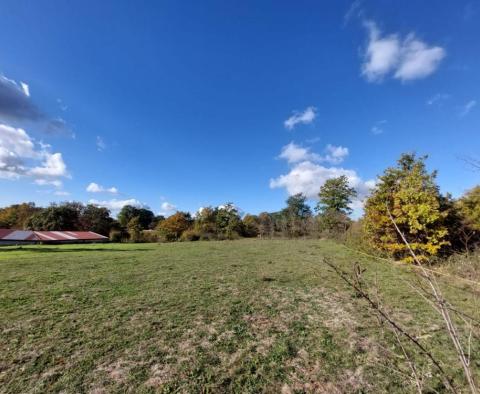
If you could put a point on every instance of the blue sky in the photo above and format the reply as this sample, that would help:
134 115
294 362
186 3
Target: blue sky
178 105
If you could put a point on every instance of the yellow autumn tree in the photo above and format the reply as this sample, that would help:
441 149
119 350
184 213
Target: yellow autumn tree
409 192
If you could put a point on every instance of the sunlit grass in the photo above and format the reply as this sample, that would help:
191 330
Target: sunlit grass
239 316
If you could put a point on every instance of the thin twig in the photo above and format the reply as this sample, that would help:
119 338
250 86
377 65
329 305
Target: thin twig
441 303
395 325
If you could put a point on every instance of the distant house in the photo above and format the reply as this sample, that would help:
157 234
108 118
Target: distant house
26 237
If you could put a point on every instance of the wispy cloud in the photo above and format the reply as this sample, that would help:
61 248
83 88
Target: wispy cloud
61 193
467 108
304 117
437 99
100 144
379 127
404 59
355 10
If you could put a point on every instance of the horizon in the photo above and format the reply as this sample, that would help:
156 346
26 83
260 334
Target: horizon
177 107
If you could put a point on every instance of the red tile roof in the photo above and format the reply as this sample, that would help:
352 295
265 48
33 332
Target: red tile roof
45 236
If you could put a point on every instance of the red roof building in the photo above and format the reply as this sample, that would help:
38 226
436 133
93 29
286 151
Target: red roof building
13 237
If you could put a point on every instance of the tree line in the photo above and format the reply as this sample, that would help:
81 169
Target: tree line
406 195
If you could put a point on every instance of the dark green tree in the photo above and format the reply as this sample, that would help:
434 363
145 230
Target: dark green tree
56 217
294 218
336 196
250 225
229 223
96 219
128 212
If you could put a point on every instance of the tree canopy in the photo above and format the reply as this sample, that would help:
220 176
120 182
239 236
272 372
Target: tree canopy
336 195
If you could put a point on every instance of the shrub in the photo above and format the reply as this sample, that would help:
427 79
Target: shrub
134 230
190 235
149 236
115 236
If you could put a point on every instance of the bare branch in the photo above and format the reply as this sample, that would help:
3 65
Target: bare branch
442 309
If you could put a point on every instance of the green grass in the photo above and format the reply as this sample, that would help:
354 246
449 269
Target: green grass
232 316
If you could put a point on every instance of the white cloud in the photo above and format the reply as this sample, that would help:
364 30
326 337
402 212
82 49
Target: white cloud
406 59
115 204
307 178
25 88
52 166
418 60
468 107
96 188
166 206
21 156
335 154
437 98
167 209
48 182
305 117
294 153
382 54
100 144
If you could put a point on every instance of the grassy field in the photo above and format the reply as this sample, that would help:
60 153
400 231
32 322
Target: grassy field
231 316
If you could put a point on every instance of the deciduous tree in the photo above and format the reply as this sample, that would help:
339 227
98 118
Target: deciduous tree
335 197
410 196
171 228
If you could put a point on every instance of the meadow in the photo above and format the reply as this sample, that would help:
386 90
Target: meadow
212 317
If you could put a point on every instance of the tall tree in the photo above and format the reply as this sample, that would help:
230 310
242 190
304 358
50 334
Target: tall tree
96 219
128 212
336 196
409 193
296 215
229 223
